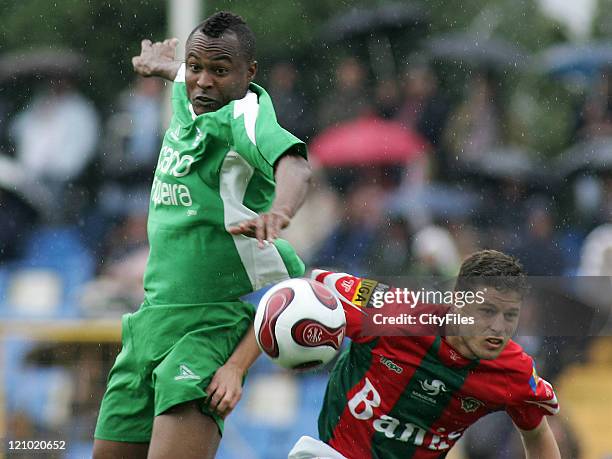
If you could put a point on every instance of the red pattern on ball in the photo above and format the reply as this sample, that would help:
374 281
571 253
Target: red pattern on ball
324 295
275 305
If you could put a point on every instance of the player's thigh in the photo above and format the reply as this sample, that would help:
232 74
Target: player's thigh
186 371
184 431
127 408
106 449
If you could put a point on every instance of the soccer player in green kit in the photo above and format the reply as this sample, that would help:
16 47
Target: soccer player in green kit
228 179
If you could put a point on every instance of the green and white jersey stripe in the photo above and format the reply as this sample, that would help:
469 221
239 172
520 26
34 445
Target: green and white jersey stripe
215 170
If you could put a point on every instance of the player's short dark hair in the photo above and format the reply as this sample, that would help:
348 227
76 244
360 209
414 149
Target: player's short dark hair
490 268
222 21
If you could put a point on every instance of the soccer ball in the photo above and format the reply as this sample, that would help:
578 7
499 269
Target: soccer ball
300 324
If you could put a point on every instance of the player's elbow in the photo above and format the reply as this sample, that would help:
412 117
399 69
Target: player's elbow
305 171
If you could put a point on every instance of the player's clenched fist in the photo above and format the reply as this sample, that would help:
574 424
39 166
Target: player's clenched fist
157 59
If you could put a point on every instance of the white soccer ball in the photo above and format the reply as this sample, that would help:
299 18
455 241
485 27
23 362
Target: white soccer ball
300 324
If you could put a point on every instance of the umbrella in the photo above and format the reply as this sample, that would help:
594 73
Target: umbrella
15 180
437 200
507 163
474 50
367 141
382 19
49 62
374 28
570 60
594 156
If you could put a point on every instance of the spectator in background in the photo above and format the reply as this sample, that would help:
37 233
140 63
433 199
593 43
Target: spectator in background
119 286
350 243
387 98
349 98
131 149
595 117
56 136
538 249
502 229
144 108
424 109
474 128
17 219
435 253
392 252
290 104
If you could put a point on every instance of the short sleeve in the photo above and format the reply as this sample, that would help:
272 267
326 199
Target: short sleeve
258 136
272 147
536 399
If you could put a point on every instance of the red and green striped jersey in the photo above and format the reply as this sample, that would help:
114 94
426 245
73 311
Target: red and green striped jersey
414 396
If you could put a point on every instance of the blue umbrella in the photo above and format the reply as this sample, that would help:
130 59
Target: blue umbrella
590 157
570 60
437 200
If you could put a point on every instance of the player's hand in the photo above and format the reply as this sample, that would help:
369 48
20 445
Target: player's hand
265 227
157 59
225 389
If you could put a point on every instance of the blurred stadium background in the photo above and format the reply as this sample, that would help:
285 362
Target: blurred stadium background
497 122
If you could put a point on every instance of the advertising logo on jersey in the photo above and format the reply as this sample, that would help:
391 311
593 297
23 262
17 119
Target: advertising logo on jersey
430 390
434 387
360 291
391 365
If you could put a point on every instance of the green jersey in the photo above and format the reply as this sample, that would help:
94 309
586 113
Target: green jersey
215 170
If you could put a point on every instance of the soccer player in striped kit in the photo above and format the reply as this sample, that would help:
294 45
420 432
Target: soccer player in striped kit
405 397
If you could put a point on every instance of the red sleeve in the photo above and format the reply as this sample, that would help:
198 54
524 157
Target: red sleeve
535 399
354 294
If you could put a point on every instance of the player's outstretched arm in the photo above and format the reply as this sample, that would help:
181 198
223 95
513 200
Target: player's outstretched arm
157 59
540 442
225 389
292 177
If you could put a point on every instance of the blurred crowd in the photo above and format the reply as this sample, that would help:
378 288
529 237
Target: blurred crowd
74 189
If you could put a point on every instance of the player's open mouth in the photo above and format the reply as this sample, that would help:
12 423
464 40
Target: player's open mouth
494 342
203 101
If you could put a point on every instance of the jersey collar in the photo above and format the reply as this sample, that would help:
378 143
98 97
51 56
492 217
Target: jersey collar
449 356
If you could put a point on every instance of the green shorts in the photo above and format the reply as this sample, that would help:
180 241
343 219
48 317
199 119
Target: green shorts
169 355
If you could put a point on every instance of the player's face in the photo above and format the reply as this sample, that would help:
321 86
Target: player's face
216 71
495 322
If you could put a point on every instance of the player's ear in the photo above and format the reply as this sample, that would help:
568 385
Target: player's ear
252 71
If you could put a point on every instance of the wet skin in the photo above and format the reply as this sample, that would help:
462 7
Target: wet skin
217 71
496 321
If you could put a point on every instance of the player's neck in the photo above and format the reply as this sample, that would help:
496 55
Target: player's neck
458 343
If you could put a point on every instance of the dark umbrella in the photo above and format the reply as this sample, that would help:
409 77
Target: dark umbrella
373 28
469 49
41 62
569 60
508 163
367 141
366 21
593 156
